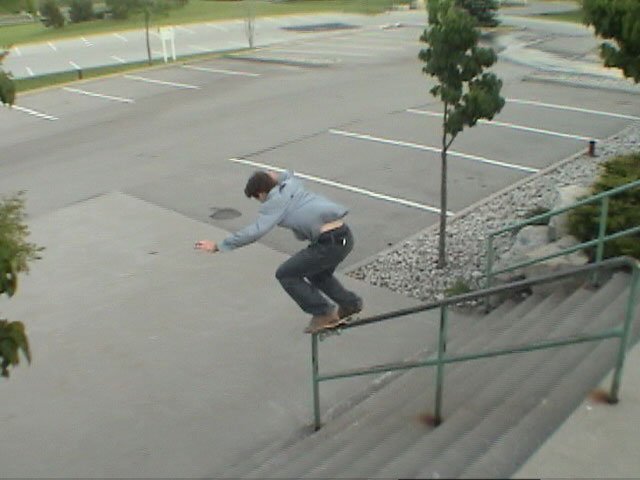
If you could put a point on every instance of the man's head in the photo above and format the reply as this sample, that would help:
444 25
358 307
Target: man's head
259 185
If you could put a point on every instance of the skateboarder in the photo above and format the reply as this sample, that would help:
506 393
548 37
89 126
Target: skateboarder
311 217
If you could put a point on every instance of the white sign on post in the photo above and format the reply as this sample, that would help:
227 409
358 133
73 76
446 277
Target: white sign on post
167 35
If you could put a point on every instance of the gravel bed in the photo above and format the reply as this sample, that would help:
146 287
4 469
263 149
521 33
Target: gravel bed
409 267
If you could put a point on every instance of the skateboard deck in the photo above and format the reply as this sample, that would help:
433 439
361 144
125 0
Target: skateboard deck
336 329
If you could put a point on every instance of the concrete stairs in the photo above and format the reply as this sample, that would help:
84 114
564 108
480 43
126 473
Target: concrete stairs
496 411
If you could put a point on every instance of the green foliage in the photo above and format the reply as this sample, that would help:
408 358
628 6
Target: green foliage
81 11
7 88
15 253
617 20
624 208
121 9
484 11
13 340
52 16
459 287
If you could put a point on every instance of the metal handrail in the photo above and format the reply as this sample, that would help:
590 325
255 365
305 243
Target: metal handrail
441 359
598 242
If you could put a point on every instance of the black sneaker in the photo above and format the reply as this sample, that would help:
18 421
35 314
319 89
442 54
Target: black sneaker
345 311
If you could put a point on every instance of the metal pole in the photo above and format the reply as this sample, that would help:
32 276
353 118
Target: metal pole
624 339
489 266
442 346
602 230
316 383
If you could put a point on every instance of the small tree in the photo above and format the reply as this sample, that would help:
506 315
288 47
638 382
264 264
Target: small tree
455 60
249 22
81 11
52 15
617 20
7 87
15 253
484 11
150 8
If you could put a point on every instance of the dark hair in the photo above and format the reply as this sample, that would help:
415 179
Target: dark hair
259 182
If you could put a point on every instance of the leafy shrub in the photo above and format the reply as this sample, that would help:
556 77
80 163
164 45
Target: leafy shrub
81 11
459 287
15 253
52 16
624 209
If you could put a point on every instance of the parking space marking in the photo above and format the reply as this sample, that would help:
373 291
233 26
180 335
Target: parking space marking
417 146
342 186
185 29
161 82
53 47
98 95
17 51
34 113
322 52
217 27
29 71
199 48
223 72
74 65
496 123
118 59
121 37
571 109
86 42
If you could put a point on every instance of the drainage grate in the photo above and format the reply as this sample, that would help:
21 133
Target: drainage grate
224 213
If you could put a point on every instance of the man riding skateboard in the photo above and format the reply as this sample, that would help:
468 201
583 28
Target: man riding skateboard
309 273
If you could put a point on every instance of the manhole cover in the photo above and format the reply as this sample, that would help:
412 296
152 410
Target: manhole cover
224 213
319 27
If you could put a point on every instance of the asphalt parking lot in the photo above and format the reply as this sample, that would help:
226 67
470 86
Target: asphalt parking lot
361 128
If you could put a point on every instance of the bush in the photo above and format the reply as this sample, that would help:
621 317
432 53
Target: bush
484 11
121 9
624 209
81 11
52 16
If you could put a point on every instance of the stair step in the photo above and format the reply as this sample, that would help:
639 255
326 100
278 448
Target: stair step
485 402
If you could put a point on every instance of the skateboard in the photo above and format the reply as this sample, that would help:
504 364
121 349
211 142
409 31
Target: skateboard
336 329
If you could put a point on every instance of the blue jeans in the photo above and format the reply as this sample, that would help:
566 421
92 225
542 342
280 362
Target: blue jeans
310 271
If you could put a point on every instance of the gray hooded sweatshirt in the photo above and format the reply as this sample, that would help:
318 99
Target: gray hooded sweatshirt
288 205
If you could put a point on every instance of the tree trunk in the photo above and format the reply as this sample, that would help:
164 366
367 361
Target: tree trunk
442 258
147 14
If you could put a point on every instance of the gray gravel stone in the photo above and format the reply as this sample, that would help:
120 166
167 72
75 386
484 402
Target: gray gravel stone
410 266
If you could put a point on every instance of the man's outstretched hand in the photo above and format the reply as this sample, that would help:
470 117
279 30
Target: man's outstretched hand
207 246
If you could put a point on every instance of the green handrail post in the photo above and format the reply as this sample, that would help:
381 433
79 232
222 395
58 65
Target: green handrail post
316 386
602 231
624 338
442 346
489 266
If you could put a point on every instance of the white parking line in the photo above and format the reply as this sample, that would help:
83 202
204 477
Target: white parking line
17 51
86 42
75 65
495 123
98 95
417 146
29 71
121 37
217 27
185 29
53 47
199 48
161 82
118 59
571 109
322 52
350 188
224 72
34 113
